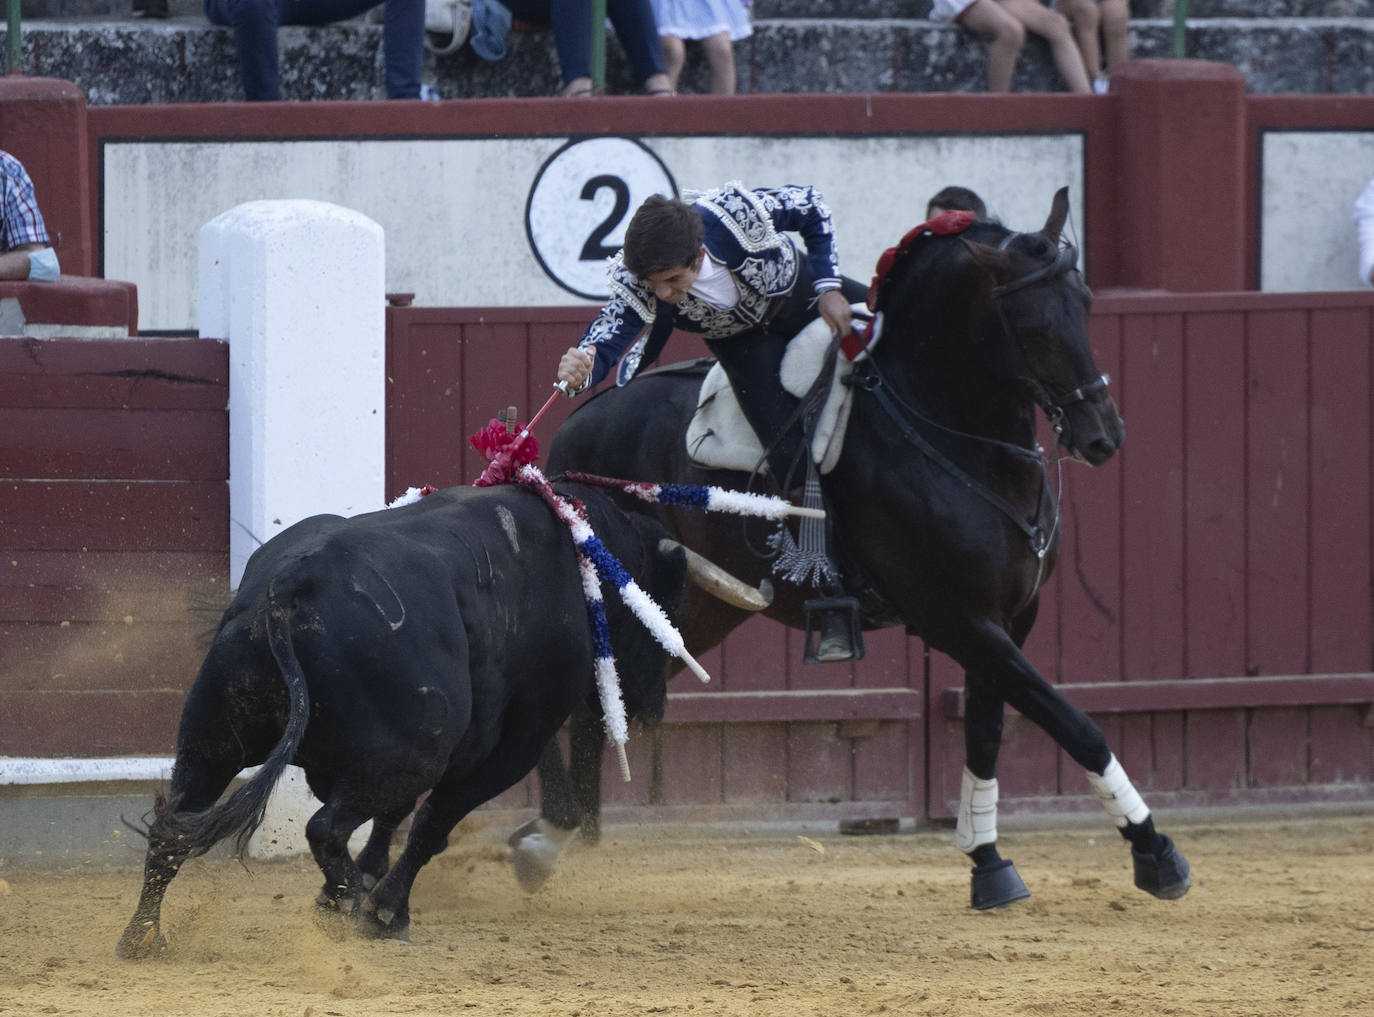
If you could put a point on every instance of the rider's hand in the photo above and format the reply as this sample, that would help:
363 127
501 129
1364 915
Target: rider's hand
835 310
575 366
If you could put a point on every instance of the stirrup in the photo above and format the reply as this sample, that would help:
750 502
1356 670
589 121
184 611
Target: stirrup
841 635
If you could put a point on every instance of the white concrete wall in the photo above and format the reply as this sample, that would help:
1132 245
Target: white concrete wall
454 210
296 287
1310 182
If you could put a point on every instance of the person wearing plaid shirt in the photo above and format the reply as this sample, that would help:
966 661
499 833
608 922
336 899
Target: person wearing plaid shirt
25 248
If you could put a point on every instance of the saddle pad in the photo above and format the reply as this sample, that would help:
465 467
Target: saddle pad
719 436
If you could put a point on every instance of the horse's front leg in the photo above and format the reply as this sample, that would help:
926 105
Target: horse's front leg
992 656
995 881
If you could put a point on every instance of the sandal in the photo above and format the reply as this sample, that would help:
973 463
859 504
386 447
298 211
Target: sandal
661 91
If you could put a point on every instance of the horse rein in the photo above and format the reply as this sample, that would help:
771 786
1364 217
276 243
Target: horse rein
867 378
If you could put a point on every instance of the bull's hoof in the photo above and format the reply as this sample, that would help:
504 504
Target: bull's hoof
535 850
384 922
346 904
140 939
1165 875
997 885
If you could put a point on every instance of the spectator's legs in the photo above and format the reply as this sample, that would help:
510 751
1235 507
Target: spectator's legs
1004 35
720 57
1116 14
1054 29
1085 18
255 34
403 28
674 56
571 20
637 30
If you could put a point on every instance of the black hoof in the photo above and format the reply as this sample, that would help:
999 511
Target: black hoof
997 885
1166 875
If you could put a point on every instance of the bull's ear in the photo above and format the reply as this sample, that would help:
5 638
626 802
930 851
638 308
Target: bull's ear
1059 214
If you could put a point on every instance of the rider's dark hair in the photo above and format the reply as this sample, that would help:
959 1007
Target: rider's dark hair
664 234
956 199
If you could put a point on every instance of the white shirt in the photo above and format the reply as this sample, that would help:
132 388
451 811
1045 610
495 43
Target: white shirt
1364 230
716 285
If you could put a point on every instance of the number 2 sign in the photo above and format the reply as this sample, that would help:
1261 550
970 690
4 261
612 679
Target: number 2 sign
582 200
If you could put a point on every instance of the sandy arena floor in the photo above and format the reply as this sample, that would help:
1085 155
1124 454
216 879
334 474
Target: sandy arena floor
1280 923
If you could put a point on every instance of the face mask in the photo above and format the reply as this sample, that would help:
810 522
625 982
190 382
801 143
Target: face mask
43 265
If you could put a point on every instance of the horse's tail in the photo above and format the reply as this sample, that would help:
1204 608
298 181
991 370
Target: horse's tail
242 812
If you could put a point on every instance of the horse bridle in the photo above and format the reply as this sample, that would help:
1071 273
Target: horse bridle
1053 406
867 377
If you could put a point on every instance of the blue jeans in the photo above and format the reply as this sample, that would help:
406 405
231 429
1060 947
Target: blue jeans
255 31
633 21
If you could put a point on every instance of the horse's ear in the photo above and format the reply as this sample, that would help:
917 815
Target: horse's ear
1059 212
993 260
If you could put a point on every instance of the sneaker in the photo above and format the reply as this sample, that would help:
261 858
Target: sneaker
1101 85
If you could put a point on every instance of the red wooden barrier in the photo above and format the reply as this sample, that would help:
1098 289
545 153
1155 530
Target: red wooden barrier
1212 606
114 515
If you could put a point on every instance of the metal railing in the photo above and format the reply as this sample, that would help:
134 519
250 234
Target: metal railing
13 43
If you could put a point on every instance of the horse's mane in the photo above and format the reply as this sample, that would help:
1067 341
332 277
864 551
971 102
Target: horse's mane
929 268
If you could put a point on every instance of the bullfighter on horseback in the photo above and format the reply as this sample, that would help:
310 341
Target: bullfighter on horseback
721 264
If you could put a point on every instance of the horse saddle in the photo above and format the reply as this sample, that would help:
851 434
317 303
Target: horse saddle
720 437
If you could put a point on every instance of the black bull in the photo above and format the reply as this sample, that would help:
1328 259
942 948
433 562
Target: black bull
435 647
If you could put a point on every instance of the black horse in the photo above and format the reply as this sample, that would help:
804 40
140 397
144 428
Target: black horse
944 519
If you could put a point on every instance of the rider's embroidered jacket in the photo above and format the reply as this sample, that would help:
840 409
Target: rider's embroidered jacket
744 230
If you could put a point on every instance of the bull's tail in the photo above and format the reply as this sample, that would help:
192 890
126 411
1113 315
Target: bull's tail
242 812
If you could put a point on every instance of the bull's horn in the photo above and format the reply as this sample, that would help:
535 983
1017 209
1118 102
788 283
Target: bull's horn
716 581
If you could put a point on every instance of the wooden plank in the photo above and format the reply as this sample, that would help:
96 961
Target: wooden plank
887 661
83 657
754 763
1201 693
186 373
1169 732
754 657
882 765
792 707
114 444
114 515
1152 555
1089 588
1214 747
1342 487
692 764
425 409
1342 739
819 764
495 375
1214 451
98 723
1277 496
945 740
1029 760
43 586
1278 747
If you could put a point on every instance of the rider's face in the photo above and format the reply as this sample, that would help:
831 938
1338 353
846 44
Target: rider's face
671 285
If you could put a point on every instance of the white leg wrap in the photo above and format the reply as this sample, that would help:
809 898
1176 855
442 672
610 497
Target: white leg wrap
1119 796
977 812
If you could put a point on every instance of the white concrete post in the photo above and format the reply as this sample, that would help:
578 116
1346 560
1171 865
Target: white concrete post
298 290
